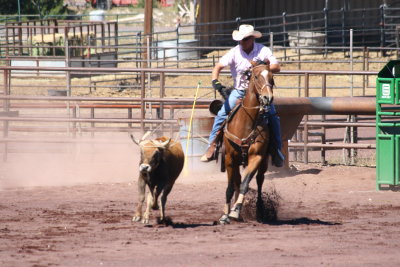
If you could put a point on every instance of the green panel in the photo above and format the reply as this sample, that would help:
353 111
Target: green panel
397 89
396 160
385 91
385 160
387 125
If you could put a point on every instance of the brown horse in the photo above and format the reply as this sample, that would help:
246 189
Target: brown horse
246 140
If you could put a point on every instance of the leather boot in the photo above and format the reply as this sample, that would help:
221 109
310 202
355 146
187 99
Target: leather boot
209 155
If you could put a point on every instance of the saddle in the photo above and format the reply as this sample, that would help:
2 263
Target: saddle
220 134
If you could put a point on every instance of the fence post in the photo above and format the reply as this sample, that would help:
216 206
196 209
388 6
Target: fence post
162 94
6 46
138 52
382 28
343 31
20 44
177 45
364 77
149 88
92 123
323 118
68 74
271 41
305 140
284 33
142 103
351 63
6 105
326 29
363 26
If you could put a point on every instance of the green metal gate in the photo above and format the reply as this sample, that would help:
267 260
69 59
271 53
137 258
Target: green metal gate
388 126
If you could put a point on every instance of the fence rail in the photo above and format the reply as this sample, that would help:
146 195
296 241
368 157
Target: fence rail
74 117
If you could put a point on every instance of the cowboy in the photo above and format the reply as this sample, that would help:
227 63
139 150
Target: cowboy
238 59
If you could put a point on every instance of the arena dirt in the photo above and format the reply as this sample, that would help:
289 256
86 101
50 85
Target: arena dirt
81 216
75 209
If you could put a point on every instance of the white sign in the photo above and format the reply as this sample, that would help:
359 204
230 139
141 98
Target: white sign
386 90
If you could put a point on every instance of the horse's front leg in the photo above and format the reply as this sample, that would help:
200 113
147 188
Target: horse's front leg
260 181
251 169
233 173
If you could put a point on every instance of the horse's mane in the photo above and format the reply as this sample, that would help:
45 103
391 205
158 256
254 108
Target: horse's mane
261 62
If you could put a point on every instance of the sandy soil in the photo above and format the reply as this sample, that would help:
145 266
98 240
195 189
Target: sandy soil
80 215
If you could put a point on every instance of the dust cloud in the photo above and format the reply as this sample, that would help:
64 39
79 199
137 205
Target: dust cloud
196 171
60 164
113 159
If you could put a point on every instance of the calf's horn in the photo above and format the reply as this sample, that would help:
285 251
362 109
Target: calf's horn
141 139
165 143
134 140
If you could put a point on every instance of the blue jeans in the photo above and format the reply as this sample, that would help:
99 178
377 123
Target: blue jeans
227 107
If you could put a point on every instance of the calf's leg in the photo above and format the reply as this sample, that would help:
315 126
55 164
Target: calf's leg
146 215
166 191
142 190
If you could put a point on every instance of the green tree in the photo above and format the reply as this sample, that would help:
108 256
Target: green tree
33 7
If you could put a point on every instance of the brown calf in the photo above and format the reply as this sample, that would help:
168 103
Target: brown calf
161 162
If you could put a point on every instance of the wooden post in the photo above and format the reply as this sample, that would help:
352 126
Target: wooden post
148 27
142 103
6 105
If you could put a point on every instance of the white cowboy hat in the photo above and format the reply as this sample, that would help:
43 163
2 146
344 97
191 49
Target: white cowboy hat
245 30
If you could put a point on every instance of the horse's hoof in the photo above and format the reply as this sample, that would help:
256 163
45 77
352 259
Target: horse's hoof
235 213
224 219
136 218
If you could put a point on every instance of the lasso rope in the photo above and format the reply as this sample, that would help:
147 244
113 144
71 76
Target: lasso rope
185 170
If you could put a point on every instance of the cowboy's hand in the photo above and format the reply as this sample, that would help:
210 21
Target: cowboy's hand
220 88
217 85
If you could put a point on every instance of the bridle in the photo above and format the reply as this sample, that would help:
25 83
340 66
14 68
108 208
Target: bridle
259 82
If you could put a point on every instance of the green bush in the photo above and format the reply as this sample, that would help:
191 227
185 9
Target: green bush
33 7
142 2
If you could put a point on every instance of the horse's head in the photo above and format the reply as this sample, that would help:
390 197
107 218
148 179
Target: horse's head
262 79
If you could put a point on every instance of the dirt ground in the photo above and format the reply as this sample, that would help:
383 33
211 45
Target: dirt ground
81 216
69 207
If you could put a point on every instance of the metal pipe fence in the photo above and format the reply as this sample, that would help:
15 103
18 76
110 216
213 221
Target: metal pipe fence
77 117
372 26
